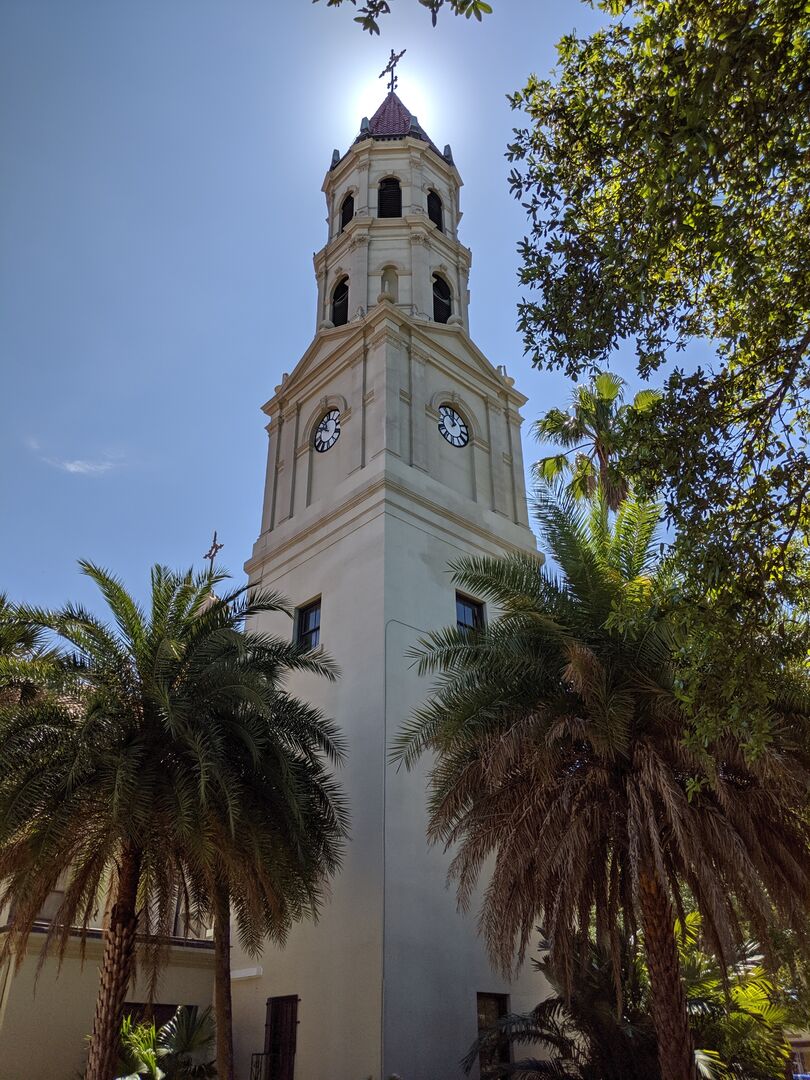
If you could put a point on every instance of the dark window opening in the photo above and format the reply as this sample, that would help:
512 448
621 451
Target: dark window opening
308 625
280 1033
491 1009
469 613
442 307
435 213
389 199
340 303
346 211
142 1012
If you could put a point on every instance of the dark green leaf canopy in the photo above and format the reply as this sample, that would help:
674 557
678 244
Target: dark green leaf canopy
176 740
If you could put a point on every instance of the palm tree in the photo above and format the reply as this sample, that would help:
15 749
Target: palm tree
586 1034
593 431
590 1034
135 787
560 753
27 666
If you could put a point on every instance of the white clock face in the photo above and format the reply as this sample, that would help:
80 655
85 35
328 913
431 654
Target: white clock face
452 427
328 432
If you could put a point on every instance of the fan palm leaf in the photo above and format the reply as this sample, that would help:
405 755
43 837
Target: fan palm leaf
591 433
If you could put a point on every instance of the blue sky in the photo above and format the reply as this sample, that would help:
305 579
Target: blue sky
159 206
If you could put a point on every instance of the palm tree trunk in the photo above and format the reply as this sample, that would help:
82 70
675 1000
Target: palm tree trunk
116 970
676 1055
223 1010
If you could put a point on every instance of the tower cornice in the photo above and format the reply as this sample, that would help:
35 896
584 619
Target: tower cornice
364 151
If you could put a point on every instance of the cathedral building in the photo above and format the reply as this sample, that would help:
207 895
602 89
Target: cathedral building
394 448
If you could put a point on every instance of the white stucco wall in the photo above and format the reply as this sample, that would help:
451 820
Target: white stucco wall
45 1019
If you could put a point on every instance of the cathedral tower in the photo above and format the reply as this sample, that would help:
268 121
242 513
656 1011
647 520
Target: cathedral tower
394 447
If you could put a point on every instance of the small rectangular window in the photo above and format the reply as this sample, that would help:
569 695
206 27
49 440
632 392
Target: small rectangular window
469 613
308 625
491 1009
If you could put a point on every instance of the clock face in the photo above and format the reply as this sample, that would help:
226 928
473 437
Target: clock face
328 432
452 427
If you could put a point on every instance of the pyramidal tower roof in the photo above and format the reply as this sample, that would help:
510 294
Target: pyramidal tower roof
393 120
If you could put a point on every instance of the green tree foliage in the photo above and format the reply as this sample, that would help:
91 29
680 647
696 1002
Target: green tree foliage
369 13
594 431
559 733
583 1034
735 1015
177 761
27 665
665 171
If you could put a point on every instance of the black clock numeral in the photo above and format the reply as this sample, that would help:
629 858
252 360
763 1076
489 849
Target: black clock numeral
452 427
328 432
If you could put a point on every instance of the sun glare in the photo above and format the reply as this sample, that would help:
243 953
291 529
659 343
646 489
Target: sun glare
415 93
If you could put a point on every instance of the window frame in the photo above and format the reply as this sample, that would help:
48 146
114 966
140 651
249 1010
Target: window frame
501 1053
476 606
303 636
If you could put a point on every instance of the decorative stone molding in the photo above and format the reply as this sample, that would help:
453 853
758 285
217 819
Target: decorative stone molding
452 397
327 402
386 335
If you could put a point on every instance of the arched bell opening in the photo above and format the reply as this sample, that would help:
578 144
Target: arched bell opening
435 210
389 198
340 303
442 300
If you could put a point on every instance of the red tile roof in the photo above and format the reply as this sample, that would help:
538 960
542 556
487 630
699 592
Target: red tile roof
392 118
393 121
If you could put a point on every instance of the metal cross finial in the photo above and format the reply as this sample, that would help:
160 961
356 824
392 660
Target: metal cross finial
393 60
213 551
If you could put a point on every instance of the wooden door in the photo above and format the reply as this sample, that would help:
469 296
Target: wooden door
280 1031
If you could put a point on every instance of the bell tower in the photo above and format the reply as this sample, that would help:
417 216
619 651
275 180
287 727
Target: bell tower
393 213
394 447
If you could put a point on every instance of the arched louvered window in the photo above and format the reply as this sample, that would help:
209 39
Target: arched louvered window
340 303
346 211
389 198
442 307
435 212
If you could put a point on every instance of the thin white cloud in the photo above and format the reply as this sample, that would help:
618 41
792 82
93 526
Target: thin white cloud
74 466
80 467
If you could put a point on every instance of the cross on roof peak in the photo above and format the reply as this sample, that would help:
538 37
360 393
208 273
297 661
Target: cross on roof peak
393 60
